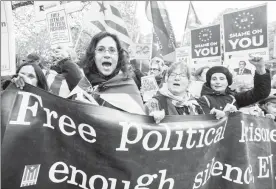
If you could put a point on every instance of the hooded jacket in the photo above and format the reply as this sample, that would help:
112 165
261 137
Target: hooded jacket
211 99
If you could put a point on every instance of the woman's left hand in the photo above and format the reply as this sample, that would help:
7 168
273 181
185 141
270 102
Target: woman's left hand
218 113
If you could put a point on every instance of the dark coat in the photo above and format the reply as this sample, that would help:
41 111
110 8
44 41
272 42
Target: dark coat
217 100
245 71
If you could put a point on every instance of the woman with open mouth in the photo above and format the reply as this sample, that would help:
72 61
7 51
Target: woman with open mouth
173 98
217 98
104 67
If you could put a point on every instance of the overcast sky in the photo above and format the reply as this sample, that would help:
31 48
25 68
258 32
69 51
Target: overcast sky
207 11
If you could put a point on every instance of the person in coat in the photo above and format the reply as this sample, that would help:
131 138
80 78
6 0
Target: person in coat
216 94
173 98
104 67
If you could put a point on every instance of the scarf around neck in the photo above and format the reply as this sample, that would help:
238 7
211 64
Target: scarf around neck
179 101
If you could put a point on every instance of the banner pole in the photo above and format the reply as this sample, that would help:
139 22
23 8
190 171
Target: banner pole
76 44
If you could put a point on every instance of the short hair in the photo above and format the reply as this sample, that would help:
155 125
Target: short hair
88 62
242 62
33 57
183 67
41 79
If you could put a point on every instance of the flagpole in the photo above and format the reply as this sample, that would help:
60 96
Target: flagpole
133 21
186 23
78 37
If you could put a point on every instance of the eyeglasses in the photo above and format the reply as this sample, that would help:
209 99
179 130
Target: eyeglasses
181 75
111 50
154 69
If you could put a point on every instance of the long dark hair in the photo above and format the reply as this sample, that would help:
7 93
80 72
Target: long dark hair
41 79
88 62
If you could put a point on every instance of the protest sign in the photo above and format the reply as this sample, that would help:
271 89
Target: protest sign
8 64
58 27
43 7
70 144
245 33
149 87
205 46
183 54
143 51
140 51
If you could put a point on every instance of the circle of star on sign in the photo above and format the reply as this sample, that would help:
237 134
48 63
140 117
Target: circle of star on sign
244 20
205 35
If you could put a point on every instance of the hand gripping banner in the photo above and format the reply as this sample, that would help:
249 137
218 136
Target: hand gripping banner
51 142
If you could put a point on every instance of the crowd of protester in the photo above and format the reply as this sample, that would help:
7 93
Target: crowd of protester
114 81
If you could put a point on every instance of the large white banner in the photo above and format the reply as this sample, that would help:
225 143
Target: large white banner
245 33
58 27
8 64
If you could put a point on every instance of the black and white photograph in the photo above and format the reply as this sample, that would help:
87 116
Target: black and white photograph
138 95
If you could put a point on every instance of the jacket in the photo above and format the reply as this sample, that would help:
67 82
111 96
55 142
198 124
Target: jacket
211 99
159 102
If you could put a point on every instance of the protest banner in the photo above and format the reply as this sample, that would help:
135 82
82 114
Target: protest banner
245 33
149 87
8 64
60 33
70 144
205 46
183 54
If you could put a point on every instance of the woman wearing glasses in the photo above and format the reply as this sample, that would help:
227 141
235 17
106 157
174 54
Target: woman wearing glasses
103 66
173 98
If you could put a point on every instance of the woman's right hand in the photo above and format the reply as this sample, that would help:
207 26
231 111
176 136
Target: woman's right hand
158 115
20 80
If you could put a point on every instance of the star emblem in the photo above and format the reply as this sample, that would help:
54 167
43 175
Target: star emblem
244 20
157 46
205 35
102 7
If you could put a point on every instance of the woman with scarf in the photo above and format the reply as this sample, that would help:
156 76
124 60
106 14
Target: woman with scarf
217 98
104 68
173 98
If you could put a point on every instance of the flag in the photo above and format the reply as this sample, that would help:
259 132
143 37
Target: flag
105 16
119 92
192 22
57 83
163 37
30 175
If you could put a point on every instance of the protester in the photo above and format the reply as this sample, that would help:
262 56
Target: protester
29 73
32 58
63 75
103 66
156 69
268 105
132 69
173 98
217 96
